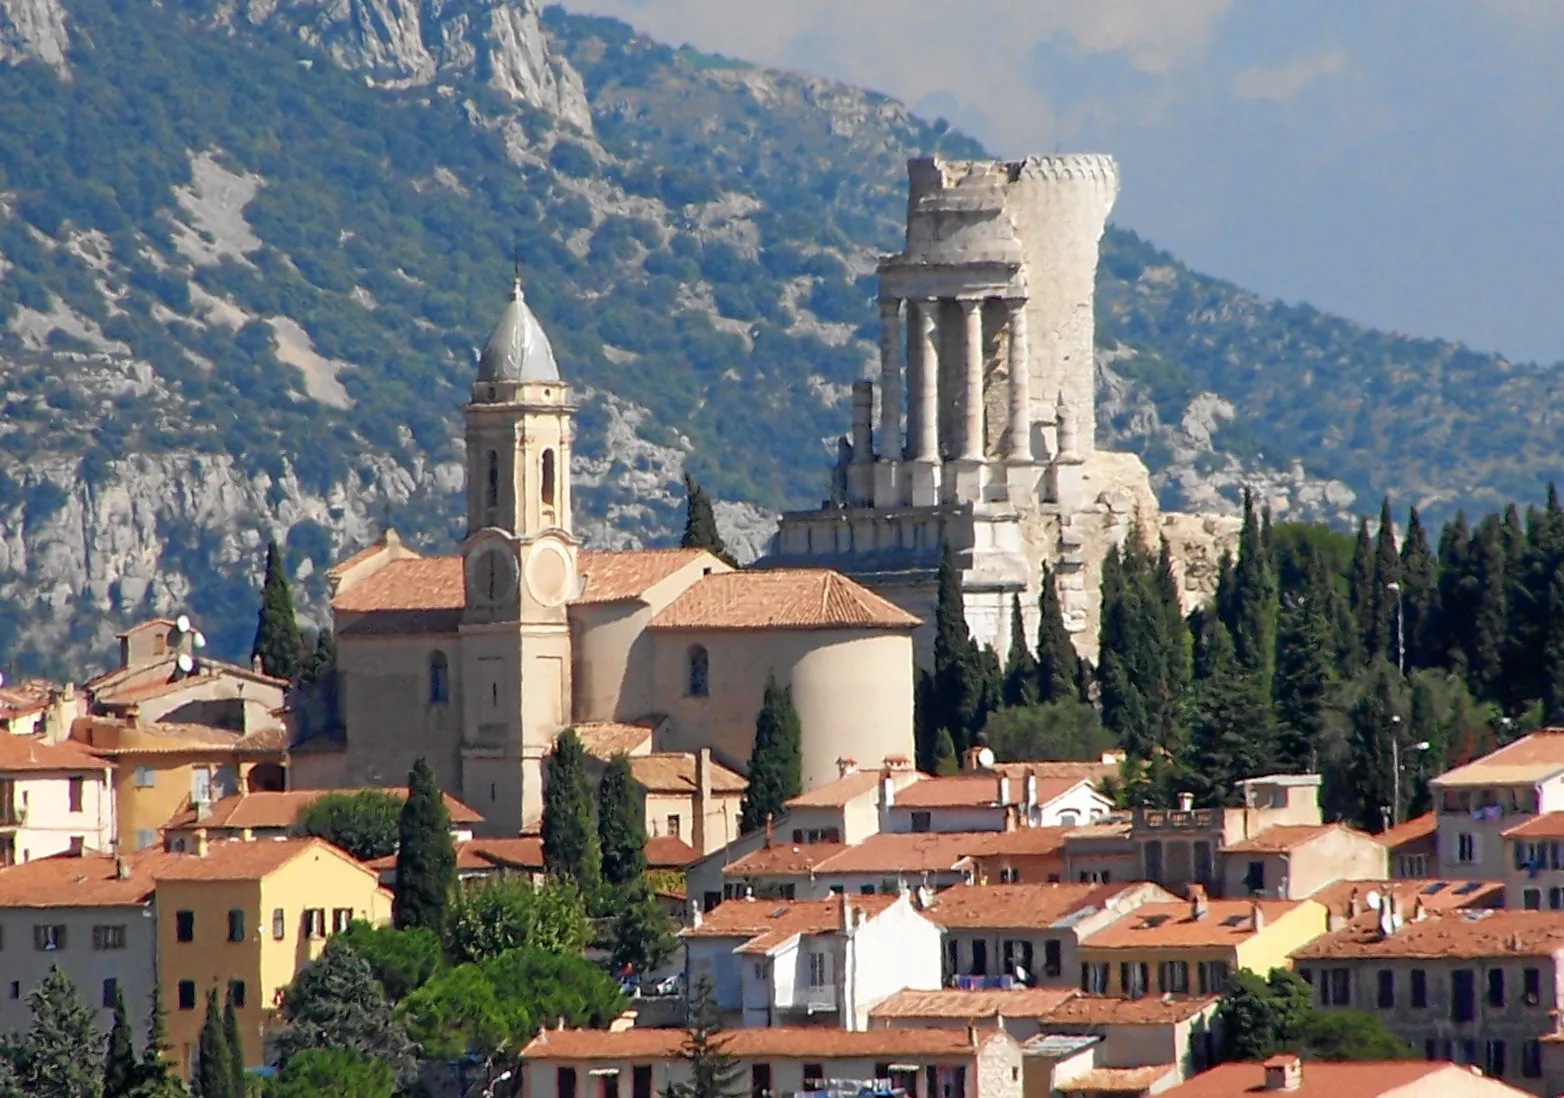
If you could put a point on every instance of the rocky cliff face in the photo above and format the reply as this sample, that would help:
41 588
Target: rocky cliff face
34 29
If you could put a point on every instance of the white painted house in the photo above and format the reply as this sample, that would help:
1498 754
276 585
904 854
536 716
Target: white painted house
55 798
987 800
800 962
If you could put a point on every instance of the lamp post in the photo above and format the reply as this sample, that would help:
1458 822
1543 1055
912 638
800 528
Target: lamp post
1395 766
1401 646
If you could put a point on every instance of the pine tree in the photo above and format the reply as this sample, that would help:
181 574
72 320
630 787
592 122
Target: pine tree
1419 596
235 1040
1254 614
713 1071
1229 720
1380 637
277 641
214 1076
155 1075
336 1003
700 523
1021 686
1058 666
1305 668
425 857
644 935
61 1055
1361 589
775 761
120 1070
621 828
570 846
1484 590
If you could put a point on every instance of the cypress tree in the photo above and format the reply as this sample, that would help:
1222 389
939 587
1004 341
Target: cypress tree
1021 687
1361 589
569 839
1485 590
277 641
1454 612
1376 717
1058 666
1253 624
700 523
1553 652
1381 640
1144 654
959 683
945 763
1305 669
235 1041
214 1076
425 857
621 828
925 721
155 1075
1229 722
775 761
1419 595
120 1070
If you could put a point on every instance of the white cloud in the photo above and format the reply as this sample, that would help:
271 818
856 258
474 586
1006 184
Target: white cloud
1279 83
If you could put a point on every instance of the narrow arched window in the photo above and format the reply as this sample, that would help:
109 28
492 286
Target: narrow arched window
491 494
548 478
700 672
439 679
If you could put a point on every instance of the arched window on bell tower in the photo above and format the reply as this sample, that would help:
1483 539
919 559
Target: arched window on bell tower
491 491
548 478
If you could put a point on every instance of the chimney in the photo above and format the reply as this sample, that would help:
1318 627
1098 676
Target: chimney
768 831
1283 1071
1256 918
1004 789
847 913
255 664
1029 796
887 791
972 1035
121 869
1186 802
1419 910
1197 902
695 914
845 766
701 809
1353 907
200 842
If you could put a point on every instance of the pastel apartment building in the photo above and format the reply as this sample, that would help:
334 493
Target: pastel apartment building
778 963
1476 804
1475 987
1534 863
55 798
1294 861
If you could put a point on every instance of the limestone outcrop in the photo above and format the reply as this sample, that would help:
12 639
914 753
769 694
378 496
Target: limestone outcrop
34 28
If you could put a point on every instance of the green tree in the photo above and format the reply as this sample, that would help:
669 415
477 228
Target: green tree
1364 598
700 523
503 914
363 824
401 960
569 838
277 641
1419 596
1381 633
458 1014
1058 666
539 988
155 1075
1065 730
925 726
1552 656
425 857
1255 608
945 761
120 1069
644 933
333 1073
1143 661
235 1041
1347 1035
1454 611
61 1055
775 761
214 1072
713 1071
957 694
335 1002
1484 590
1021 686
621 827
1229 718
1259 1017
1377 717
1305 667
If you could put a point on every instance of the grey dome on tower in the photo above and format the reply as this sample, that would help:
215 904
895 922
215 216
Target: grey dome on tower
517 349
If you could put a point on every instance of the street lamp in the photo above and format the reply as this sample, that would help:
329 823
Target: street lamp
1401 646
1395 765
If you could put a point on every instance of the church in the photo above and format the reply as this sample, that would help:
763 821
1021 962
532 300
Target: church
477 661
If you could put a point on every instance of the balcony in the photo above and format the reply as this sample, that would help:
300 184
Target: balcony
1172 819
12 814
812 1000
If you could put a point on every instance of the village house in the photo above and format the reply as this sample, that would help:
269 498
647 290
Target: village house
1026 933
1346 900
37 707
1478 987
1102 852
1293 861
778 963
1193 947
481 859
849 809
1534 863
990 801
55 798
270 814
1476 804
1412 847
629 1062
1287 1074
686 795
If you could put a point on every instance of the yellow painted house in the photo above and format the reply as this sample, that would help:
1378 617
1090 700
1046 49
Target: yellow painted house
244 918
1193 947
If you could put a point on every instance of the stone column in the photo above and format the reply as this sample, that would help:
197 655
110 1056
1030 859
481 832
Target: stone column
924 478
887 470
1020 386
860 471
972 325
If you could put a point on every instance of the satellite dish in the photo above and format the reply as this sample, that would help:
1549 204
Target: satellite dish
182 623
1372 901
199 640
186 664
985 757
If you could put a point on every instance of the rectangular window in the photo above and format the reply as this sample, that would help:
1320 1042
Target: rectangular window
1463 995
1493 1059
759 1080
1468 1050
314 922
814 1076
565 1082
1532 978
1094 978
341 919
1419 989
1387 989
1531 1060
110 991
710 900
1430 1049
819 969
1133 978
186 994
279 924
1466 848
146 777
673 826
16 989
787 890
608 1085
235 924
1008 876
922 821
1336 987
1254 878
1053 958
979 957
236 993
1154 861
641 1081
48 937
1173 976
75 790
1496 987
108 937
184 926
145 837
1531 899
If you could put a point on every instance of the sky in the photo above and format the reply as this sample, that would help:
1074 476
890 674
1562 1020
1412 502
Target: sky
1397 162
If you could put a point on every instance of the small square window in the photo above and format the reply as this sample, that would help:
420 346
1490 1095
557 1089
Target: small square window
146 777
235 924
341 919
279 924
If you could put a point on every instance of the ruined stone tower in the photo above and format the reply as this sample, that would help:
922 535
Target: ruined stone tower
985 434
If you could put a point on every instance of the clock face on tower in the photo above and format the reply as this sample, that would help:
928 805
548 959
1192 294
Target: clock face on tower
491 577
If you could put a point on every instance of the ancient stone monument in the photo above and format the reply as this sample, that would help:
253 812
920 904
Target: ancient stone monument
987 438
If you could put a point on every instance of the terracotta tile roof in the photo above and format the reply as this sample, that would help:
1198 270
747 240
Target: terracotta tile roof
605 739
1323 1079
86 880
621 574
32 754
1017 906
248 861
1157 926
1437 895
1091 771
1448 934
1418 827
29 696
938 852
783 859
978 791
107 737
668 852
1136 1080
952 1003
342 566
1102 829
280 811
1102 1010
772 1042
1283 837
782 598
1549 825
410 595
122 686
525 852
766 924
838 793
1023 842
675 773
1527 759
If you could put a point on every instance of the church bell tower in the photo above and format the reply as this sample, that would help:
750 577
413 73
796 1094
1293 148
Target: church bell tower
519 567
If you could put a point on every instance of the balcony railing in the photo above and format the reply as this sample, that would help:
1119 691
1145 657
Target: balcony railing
12 814
1172 819
813 1000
